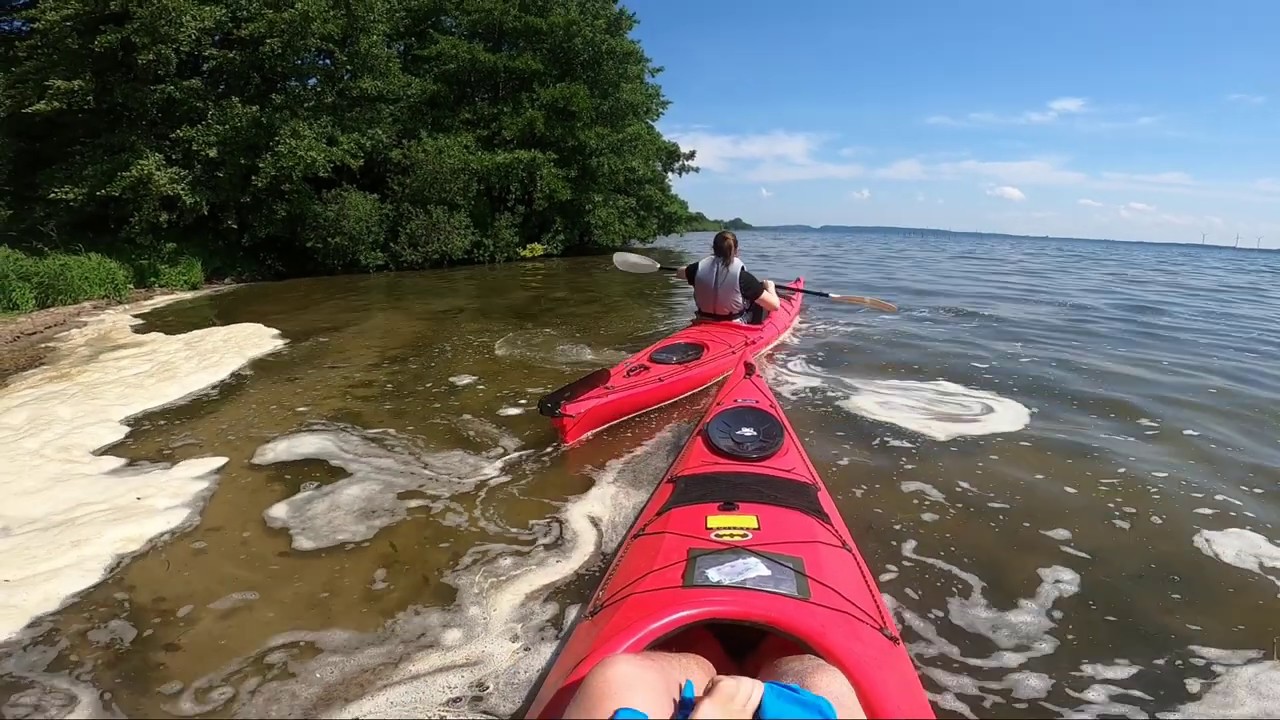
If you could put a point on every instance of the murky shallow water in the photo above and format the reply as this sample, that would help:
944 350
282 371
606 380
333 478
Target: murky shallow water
1061 457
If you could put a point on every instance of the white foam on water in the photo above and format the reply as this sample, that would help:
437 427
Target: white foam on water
1205 511
1059 534
69 515
1098 671
544 348
929 491
477 658
1245 687
1241 548
511 410
383 466
938 409
1021 633
463 380
48 695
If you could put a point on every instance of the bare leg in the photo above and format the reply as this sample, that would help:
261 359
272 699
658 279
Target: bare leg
817 676
649 682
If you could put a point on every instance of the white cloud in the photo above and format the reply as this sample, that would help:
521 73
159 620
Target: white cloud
1007 192
807 170
1140 207
717 152
910 169
1051 111
1067 105
1021 172
862 194
1089 203
776 156
1011 172
1163 178
1268 185
1246 99
764 193
942 120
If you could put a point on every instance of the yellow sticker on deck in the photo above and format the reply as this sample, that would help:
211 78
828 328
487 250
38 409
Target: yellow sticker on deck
733 522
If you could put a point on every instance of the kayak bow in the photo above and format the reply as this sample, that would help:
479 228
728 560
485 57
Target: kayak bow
740 553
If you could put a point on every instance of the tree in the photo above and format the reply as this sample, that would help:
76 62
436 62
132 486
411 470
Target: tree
699 222
323 136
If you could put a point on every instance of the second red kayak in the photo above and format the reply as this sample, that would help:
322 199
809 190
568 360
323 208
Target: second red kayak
740 555
684 363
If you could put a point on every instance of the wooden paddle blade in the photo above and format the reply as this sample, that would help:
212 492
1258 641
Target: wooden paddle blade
876 303
633 263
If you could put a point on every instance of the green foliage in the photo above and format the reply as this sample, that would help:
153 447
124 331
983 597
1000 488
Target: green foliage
185 274
32 282
700 222
28 283
16 272
533 250
170 271
62 279
326 136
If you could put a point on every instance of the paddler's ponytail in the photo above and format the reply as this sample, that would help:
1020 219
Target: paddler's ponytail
725 246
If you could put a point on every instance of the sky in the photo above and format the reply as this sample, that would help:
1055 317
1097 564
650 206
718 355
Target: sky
1138 120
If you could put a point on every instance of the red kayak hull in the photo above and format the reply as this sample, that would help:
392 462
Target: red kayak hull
688 574
679 365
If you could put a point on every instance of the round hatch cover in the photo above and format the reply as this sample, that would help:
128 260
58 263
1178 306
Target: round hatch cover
746 433
677 353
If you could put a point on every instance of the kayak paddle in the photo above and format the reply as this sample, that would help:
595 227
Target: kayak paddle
633 263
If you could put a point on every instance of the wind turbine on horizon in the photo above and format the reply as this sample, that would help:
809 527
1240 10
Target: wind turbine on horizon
1237 240
1259 245
1203 235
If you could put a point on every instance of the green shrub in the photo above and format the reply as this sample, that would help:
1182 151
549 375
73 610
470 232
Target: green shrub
61 279
16 294
187 273
533 250
181 272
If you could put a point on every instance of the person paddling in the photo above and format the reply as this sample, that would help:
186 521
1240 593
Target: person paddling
723 288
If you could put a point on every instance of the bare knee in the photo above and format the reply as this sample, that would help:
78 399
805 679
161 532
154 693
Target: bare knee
647 681
817 676
617 669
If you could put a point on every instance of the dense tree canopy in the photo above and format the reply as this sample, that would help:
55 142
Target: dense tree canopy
324 136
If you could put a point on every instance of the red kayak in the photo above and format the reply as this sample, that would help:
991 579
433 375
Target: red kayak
741 548
679 365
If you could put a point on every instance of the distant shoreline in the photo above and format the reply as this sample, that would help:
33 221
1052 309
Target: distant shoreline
922 232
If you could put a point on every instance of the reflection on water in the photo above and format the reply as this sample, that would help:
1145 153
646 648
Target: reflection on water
1059 457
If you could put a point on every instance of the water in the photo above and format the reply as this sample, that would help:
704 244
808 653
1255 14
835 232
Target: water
1060 457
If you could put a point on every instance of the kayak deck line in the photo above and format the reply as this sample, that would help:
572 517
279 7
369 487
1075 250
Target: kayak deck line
740 555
